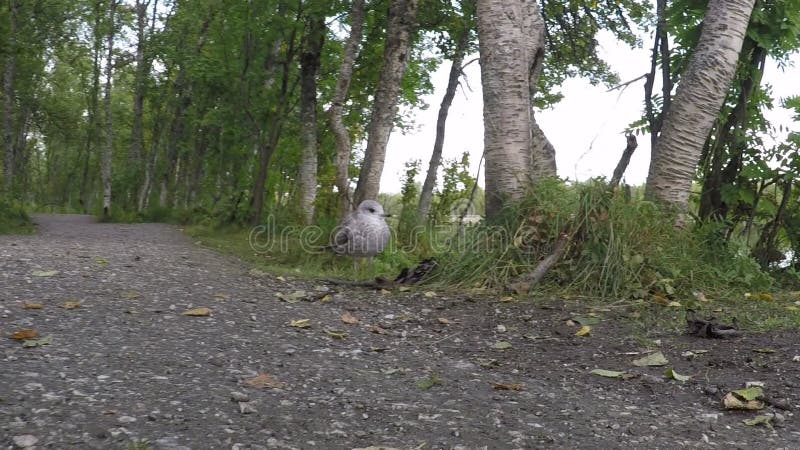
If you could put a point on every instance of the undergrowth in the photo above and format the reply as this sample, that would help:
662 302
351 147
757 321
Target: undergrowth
14 219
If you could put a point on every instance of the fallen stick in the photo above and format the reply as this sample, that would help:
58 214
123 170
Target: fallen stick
523 283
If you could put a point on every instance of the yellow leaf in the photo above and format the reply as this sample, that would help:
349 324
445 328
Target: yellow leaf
507 386
584 331
404 288
101 261
764 297
325 298
507 299
44 273
221 296
24 334
130 295
442 320
430 294
31 306
301 323
265 381
71 305
198 312
674 304
336 334
660 300
349 318
385 292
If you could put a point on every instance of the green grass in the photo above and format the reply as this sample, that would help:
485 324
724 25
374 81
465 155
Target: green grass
14 219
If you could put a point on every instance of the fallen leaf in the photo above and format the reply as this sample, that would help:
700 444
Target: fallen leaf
294 297
336 334
395 370
71 305
584 331
507 299
429 294
488 362
37 342
377 330
653 359
404 289
700 296
765 419
731 401
221 296
571 323
265 381
325 298
507 386
385 292
764 350
674 304
198 312
671 374
44 273
300 323
24 334
101 261
607 373
31 306
750 393
762 296
660 300
130 295
502 345
589 320
349 318
443 321
427 383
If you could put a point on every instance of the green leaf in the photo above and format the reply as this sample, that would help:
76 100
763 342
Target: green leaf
750 393
607 373
671 374
37 342
586 320
653 359
44 273
759 420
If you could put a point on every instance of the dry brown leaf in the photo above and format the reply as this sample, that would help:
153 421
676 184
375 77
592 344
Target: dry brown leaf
443 320
349 318
130 295
71 305
300 323
508 386
265 381
377 330
660 300
24 334
198 312
31 306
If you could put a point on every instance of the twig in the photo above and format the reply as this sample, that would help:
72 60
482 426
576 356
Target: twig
627 83
525 282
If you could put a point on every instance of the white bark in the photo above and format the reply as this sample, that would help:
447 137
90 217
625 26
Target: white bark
697 102
511 34
336 111
108 150
399 31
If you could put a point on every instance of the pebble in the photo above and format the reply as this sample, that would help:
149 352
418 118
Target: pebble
246 408
25 440
126 419
239 397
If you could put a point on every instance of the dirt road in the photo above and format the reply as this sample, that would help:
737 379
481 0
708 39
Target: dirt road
116 362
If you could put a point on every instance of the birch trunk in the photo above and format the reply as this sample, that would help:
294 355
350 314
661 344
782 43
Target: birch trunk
336 111
399 30
697 102
108 150
511 34
309 68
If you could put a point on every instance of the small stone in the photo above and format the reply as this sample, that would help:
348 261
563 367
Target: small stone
25 440
711 390
246 408
709 417
239 397
126 419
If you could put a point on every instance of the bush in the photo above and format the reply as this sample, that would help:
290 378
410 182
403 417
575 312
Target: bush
14 219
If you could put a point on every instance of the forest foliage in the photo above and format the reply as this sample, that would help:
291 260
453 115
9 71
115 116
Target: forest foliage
197 106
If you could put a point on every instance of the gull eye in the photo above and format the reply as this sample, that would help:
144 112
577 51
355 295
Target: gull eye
372 210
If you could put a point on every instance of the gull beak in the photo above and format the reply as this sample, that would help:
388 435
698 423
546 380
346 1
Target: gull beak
386 215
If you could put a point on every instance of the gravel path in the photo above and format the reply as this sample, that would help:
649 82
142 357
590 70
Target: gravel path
124 368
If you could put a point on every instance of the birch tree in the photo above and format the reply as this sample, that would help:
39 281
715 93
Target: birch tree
697 102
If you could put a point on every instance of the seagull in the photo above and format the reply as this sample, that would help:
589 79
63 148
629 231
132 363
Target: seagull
363 233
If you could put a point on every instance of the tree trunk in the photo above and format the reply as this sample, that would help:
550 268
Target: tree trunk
399 32
512 40
336 111
697 102
309 67
108 150
426 194
9 161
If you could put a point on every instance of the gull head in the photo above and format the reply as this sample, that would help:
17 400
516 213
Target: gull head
372 208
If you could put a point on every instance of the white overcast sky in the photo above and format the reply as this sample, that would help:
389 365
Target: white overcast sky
585 127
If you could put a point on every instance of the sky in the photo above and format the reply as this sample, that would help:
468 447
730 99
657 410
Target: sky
586 127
